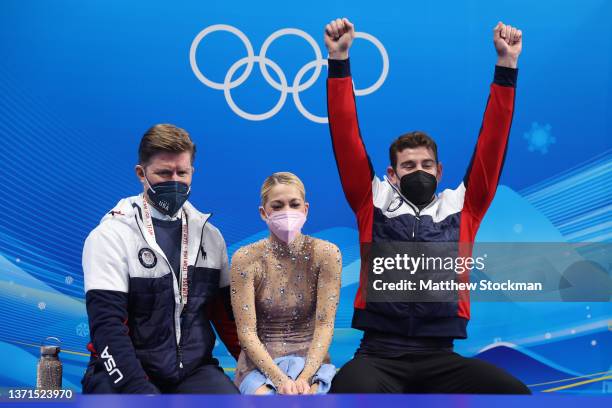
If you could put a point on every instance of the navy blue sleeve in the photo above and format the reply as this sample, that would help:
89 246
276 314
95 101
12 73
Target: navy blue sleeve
505 76
338 68
107 311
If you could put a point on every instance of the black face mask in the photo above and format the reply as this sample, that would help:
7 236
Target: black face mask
418 187
169 196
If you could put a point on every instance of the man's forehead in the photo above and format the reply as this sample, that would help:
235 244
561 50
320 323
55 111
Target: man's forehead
416 153
171 160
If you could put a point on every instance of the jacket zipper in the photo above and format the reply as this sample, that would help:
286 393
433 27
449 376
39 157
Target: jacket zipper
415 208
417 219
179 352
180 355
179 349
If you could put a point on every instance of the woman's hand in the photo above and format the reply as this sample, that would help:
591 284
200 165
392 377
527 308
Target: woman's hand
288 387
302 386
314 387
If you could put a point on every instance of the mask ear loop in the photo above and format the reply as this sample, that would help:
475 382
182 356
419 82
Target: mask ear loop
264 211
149 183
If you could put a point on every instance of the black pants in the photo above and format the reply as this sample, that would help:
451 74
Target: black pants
443 372
206 379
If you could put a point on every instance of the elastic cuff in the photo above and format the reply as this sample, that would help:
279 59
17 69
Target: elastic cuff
505 76
338 68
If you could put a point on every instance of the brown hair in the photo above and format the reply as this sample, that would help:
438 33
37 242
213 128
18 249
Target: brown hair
282 177
411 140
164 138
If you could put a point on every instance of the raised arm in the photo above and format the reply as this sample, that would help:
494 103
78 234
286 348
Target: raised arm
243 271
353 163
487 161
328 293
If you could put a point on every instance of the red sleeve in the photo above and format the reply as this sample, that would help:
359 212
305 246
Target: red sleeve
485 168
220 313
354 167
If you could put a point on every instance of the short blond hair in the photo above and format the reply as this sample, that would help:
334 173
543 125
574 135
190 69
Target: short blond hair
281 177
165 138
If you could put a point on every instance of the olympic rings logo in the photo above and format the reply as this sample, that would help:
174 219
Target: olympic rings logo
284 87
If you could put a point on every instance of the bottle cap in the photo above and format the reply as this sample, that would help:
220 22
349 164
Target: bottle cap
49 350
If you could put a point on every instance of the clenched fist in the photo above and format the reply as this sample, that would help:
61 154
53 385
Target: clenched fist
508 42
339 36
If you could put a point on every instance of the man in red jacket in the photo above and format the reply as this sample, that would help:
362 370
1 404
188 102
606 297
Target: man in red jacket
408 346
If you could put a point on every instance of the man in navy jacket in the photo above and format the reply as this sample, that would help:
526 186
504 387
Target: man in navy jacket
156 276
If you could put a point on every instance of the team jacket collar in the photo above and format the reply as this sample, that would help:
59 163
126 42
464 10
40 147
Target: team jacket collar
410 204
129 210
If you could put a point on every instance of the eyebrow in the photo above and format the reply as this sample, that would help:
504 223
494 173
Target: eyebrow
414 161
407 162
293 200
168 169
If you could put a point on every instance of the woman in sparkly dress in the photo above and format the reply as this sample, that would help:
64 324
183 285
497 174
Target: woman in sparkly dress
285 291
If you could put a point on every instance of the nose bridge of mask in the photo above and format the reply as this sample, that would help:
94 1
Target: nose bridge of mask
150 186
284 215
421 176
286 220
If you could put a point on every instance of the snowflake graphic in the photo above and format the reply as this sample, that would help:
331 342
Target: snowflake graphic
539 138
42 305
82 330
69 280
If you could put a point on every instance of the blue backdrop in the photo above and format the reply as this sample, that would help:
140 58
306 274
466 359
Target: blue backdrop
81 81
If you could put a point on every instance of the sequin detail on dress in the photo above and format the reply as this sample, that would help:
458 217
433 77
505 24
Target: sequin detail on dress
284 299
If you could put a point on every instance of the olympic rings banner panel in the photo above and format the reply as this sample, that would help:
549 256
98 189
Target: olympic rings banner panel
283 87
80 82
